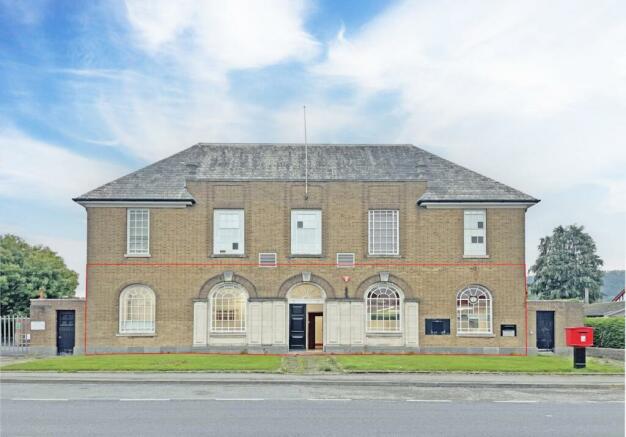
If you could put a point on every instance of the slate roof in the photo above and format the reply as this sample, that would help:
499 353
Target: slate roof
605 309
165 180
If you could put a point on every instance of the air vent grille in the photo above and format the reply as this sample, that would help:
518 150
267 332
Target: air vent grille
267 259
345 260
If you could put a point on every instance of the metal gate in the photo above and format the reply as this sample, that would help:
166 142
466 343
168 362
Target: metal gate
14 335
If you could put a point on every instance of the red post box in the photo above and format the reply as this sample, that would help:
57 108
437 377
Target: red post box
581 336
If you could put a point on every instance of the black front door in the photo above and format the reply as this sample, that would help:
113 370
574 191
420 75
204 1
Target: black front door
65 332
545 330
297 326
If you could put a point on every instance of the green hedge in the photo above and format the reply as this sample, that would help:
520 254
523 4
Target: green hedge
607 331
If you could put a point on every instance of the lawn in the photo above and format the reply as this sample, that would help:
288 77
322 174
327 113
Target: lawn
471 363
314 363
157 363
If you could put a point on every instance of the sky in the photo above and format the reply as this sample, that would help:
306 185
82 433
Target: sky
532 94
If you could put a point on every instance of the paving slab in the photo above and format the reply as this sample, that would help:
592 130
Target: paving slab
413 379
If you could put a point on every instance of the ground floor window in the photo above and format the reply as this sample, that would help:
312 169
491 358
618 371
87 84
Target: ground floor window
137 308
473 307
383 308
228 302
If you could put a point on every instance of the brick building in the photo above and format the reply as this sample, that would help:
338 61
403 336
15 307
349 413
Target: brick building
270 248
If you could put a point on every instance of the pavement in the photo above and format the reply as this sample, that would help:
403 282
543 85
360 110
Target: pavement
502 380
329 405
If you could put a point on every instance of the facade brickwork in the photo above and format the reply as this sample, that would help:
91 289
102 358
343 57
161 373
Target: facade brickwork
181 261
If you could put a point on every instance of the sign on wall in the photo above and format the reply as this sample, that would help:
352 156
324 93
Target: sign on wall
38 325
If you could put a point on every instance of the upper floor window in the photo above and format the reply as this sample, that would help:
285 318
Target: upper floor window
137 308
384 232
228 232
473 311
382 302
138 231
306 232
475 237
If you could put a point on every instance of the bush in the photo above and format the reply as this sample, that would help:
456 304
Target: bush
607 331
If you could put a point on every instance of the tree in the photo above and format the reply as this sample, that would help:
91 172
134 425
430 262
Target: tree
25 270
566 265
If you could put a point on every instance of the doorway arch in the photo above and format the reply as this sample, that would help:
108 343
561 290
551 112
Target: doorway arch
306 305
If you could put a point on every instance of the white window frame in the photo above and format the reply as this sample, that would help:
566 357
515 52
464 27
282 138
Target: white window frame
295 249
217 251
471 218
374 304
228 287
474 310
148 311
374 233
131 226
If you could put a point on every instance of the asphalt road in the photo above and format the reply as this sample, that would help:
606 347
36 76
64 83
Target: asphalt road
163 409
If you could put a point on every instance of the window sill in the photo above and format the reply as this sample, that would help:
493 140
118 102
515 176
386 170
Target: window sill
138 255
136 334
485 335
228 334
229 255
370 256
476 256
383 334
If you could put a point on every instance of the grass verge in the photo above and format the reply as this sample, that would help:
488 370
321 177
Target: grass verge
156 363
314 364
467 363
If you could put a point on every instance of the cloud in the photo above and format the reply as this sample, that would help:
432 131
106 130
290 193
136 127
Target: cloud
178 91
527 92
223 35
36 170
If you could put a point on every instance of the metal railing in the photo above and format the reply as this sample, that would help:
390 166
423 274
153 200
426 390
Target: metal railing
14 335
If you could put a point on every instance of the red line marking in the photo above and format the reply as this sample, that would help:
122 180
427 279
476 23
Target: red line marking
292 354
365 264
526 313
85 310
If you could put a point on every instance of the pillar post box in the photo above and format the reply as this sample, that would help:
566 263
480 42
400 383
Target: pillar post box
580 338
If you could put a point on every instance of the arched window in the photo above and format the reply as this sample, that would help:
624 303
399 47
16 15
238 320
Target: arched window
137 305
228 303
383 308
473 311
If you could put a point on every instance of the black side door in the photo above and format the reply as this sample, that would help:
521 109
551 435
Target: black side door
65 332
297 326
545 330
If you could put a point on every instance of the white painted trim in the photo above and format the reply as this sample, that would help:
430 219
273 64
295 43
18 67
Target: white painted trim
138 204
294 229
122 305
366 329
475 212
139 255
471 205
241 234
306 301
213 332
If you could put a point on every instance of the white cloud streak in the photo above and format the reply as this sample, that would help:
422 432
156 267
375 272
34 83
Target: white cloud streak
500 86
33 169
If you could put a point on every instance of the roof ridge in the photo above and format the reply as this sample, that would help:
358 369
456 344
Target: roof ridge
309 144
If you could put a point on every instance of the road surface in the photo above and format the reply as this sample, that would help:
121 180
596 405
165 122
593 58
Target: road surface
171 409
